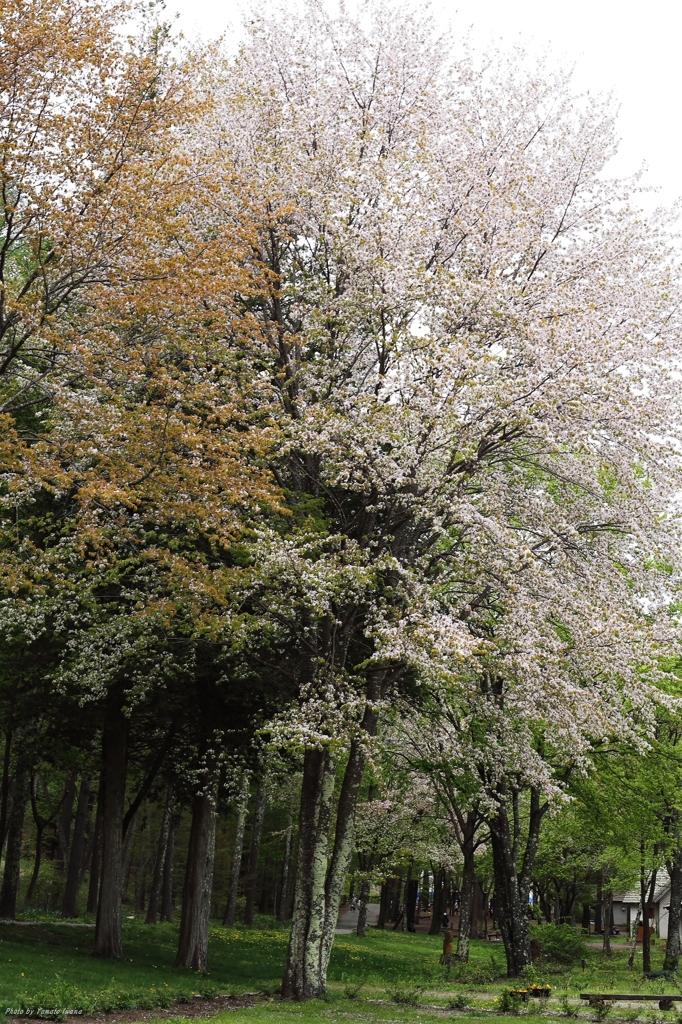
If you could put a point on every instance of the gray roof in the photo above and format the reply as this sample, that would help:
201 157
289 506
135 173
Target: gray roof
632 895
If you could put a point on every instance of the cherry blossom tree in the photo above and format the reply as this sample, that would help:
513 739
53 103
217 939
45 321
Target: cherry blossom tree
472 337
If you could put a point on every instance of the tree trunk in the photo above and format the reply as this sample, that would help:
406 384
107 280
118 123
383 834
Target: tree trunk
406 895
256 832
64 823
302 971
598 909
646 936
424 893
196 894
167 883
319 883
96 853
384 902
15 829
607 904
633 944
384 898
108 929
283 910
157 878
36 865
4 791
362 911
672 944
242 809
512 886
437 908
344 836
76 853
466 900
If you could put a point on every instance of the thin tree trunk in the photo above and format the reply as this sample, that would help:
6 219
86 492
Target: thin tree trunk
466 903
633 944
108 929
40 823
607 904
256 832
598 910
96 852
11 874
196 894
646 936
4 792
437 908
362 911
406 897
64 823
36 866
167 884
157 878
242 810
282 912
383 902
127 852
424 893
672 944
76 853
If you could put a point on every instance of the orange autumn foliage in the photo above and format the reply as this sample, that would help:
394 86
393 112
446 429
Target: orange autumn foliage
127 389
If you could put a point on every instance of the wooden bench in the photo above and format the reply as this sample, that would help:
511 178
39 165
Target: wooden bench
600 999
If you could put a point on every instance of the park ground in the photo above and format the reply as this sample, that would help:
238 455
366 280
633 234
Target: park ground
386 977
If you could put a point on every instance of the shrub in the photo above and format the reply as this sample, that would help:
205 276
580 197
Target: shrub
570 1009
406 996
511 1001
477 974
560 942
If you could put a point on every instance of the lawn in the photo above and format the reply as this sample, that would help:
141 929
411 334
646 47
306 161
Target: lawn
387 976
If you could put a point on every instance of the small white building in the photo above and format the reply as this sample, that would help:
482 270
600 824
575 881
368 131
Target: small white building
625 908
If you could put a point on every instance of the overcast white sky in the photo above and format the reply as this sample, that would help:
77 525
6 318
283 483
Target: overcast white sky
631 48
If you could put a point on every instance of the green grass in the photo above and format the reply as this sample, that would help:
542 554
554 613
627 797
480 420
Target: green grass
385 974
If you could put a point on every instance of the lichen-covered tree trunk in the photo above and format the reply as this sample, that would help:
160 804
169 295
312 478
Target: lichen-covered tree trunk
302 971
344 838
15 828
319 878
196 893
157 877
108 929
76 851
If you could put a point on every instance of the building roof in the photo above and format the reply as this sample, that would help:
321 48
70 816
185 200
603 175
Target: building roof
632 895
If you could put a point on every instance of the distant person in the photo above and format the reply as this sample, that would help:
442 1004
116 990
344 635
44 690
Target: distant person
353 902
445 921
